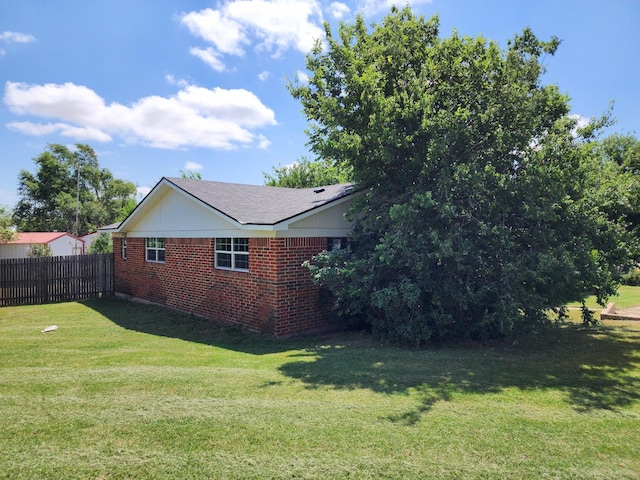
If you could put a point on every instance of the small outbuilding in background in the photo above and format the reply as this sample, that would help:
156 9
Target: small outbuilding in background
60 244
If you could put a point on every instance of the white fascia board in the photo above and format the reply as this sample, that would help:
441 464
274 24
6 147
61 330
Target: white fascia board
231 232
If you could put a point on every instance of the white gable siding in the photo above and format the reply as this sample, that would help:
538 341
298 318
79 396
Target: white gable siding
173 213
176 215
326 223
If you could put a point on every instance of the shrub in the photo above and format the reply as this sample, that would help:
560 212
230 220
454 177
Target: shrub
632 278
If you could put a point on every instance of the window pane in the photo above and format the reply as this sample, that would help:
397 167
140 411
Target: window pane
242 261
160 256
151 255
160 242
223 244
151 242
223 260
241 244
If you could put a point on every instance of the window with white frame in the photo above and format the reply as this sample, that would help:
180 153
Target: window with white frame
156 249
124 248
336 243
232 253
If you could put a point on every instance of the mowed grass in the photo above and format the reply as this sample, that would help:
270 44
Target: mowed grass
129 391
627 296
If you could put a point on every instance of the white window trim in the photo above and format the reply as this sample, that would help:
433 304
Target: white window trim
156 249
231 252
337 243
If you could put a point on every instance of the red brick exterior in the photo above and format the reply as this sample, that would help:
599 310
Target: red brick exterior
275 296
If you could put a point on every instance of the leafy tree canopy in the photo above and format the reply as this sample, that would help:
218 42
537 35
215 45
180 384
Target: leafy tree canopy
306 174
475 216
6 222
49 198
614 162
191 175
39 250
102 244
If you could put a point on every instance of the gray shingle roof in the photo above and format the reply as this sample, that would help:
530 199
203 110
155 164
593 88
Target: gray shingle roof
260 205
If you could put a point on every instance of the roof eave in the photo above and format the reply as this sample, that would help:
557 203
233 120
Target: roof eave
278 226
284 224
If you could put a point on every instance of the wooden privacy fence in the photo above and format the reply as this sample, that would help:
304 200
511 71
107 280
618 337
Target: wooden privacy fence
28 281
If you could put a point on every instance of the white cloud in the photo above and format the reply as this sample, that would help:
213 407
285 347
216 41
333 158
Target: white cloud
236 105
302 77
269 25
208 56
263 142
143 191
581 121
195 116
290 166
2 53
17 37
217 28
338 10
193 166
264 75
171 80
280 24
372 7
66 130
66 102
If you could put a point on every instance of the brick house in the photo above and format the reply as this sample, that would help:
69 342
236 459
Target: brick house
232 253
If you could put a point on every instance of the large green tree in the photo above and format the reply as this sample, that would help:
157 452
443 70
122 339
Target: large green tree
6 221
474 217
307 173
69 182
614 162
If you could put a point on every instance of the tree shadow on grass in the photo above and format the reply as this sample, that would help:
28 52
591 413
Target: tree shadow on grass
596 368
165 322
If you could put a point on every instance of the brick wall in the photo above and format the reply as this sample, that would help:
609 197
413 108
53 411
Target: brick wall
301 306
275 296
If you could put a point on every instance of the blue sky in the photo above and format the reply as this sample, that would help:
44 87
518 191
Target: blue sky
159 86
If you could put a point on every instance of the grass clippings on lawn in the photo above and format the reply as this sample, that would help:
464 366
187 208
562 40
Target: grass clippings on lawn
125 390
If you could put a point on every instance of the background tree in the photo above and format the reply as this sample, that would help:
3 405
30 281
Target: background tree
614 163
102 244
6 222
475 216
49 198
306 174
39 250
191 175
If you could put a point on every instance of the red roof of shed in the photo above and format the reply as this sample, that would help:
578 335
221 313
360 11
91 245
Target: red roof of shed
40 237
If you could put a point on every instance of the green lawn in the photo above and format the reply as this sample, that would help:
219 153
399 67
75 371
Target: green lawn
627 297
124 390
